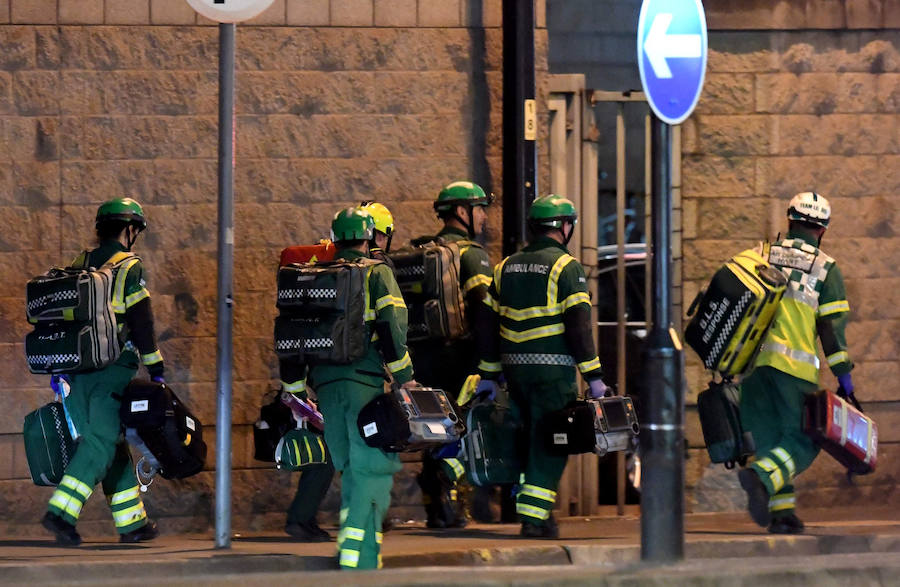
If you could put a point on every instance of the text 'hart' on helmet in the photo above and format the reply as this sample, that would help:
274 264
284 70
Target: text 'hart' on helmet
462 193
552 210
810 207
352 224
384 220
122 209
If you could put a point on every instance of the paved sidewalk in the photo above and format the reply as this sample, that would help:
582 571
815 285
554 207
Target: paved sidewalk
728 546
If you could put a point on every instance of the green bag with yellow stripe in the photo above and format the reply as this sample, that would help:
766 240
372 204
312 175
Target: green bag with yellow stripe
300 448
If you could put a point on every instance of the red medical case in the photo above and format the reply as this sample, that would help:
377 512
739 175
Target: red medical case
323 251
842 430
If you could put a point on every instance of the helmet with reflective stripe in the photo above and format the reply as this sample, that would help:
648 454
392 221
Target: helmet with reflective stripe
384 220
123 210
552 210
352 224
462 193
810 207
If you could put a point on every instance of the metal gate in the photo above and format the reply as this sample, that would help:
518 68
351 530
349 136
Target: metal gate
599 153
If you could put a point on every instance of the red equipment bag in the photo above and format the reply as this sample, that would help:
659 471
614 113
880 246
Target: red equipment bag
842 430
324 251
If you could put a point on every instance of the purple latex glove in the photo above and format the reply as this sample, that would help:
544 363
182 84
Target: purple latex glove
59 384
845 384
486 390
597 389
158 379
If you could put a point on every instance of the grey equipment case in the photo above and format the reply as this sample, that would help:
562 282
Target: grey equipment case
409 420
428 275
74 320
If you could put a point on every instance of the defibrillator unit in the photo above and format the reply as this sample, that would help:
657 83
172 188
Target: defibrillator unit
490 445
322 311
842 430
409 420
73 316
732 315
602 426
428 275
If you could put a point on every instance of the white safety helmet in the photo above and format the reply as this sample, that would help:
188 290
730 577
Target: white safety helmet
810 207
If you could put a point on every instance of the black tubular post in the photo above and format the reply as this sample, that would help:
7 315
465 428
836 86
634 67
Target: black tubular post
519 152
224 352
662 432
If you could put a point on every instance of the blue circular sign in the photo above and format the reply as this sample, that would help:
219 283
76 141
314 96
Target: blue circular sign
671 54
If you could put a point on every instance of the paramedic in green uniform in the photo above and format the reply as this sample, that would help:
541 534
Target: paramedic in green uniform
462 207
93 402
343 390
787 367
538 333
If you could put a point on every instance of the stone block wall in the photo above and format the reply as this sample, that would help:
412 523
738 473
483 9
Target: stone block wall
802 96
337 101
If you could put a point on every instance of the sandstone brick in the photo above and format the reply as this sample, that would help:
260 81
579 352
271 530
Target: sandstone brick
741 52
182 181
839 134
887 92
721 219
4 11
127 11
825 51
349 13
171 12
869 377
426 93
395 13
275 14
147 92
84 182
718 177
36 185
863 14
35 12
891 14
703 257
36 93
140 137
307 93
307 12
727 94
735 135
184 314
173 272
439 14
830 175
136 48
482 13
816 93
873 340
756 14
875 216
6 101
825 14
81 11
17 46
254 312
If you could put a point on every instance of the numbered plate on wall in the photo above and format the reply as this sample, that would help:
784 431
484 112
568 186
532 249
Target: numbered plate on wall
229 10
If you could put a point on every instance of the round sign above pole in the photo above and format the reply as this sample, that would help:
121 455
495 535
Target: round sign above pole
229 10
671 54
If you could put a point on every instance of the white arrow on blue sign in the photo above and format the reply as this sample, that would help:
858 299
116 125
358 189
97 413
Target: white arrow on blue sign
671 52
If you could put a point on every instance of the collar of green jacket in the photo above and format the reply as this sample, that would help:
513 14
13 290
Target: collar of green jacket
543 242
804 236
448 230
349 254
104 251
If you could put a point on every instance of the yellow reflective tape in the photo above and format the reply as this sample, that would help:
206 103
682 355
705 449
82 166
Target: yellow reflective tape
490 366
349 558
530 312
576 298
782 502
532 333
379 537
369 315
400 364
457 467
308 449
531 511
834 308
70 504
342 516
295 387
152 358
136 297
354 534
367 302
767 464
589 365
786 459
187 439
129 516
553 281
296 450
389 300
118 300
490 302
498 273
838 357
123 496
538 492
476 281
76 485
321 448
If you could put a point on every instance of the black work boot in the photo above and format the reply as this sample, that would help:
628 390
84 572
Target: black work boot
64 531
757 496
431 499
449 510
789 524
548 529
148 531
308 531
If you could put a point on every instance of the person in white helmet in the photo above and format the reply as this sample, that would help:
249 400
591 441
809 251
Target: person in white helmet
787 367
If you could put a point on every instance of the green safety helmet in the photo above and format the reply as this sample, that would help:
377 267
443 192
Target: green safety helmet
552 211
810 207
352 224
122 209
462 193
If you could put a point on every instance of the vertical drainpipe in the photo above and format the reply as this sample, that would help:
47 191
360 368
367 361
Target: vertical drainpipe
519 152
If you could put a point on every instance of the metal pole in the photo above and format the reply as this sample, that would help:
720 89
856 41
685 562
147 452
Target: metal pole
662 435
519 121
621 318
225 307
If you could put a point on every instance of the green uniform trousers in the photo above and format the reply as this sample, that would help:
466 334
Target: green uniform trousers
772 410
532 399
101 454
311 489
367 474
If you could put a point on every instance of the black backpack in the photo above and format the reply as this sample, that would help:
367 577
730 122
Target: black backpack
720 420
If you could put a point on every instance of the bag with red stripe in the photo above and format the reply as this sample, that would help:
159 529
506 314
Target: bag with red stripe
839 426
